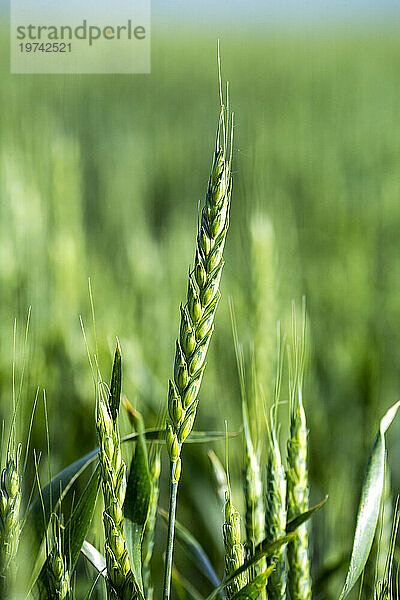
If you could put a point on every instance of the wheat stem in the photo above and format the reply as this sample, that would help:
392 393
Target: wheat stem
148 537
173 491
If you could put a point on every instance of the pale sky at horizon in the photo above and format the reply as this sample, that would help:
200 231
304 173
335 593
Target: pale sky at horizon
213 14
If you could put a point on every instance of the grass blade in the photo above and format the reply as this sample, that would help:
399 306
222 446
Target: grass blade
370 502
253 589
195 549
297 521
79 523
75 531
36 522
265 548
95 557
137 502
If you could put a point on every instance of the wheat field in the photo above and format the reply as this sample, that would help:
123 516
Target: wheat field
104 177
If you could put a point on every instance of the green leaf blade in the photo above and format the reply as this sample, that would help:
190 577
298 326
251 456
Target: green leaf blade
137 503
293 524
79 523
195 549
253 589
115 388
264 548
370 503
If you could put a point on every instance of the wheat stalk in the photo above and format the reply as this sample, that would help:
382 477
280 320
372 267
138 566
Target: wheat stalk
299 579
120 580
148 537
197 320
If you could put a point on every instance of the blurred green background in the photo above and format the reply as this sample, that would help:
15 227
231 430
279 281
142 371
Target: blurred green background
102 176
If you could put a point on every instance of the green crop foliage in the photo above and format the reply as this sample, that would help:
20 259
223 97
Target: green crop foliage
102 176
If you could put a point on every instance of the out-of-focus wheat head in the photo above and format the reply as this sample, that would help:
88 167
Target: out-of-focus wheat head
299 580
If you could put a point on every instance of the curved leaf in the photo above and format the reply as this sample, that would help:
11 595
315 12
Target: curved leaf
181 584
194 548
264 548
76 528
253 589
37 522
137 502
115 387
370 502
95 558
78 525
196 437
293 524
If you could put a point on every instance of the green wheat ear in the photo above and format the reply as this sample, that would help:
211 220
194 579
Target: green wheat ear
235 553
11 482
299 580
10 507
203 295
56 581
197 318
120 582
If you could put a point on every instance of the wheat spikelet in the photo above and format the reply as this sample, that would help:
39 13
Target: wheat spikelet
55 584
10 506
299 580
120 580
234 549
197 315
